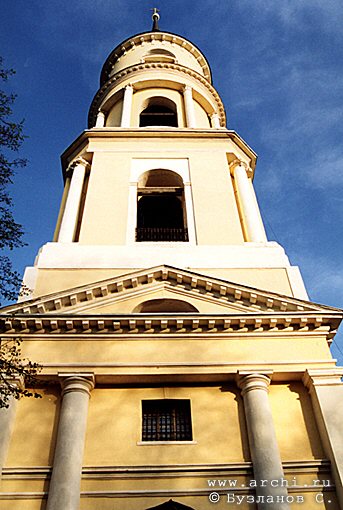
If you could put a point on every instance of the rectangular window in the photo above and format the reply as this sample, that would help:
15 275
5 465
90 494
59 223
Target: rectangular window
166 420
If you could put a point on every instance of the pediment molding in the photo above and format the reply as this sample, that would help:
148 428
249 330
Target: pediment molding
242 298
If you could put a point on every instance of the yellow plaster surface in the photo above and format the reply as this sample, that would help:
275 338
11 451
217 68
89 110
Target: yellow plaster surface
117 414
53 280
34 431
294 421
178 349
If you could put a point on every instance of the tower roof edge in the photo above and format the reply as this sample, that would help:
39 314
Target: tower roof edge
153 36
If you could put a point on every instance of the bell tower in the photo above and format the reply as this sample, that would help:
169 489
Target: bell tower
158 178
182 362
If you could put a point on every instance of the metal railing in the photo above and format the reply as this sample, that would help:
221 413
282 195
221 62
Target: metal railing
155 234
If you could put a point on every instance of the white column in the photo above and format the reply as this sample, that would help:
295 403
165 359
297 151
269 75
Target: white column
100 119
127 107
189 106
264 449
71 210
326 391
189 213
64 488
215 121
248 206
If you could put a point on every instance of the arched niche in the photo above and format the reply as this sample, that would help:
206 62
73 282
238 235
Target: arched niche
159 55
161 209
166 305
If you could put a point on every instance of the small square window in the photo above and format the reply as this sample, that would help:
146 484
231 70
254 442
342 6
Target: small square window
166 420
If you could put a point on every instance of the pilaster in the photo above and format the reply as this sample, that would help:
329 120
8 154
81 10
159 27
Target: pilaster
326 390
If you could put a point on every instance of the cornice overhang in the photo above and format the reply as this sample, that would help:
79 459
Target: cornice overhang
146 67
81 142
142 37
175 325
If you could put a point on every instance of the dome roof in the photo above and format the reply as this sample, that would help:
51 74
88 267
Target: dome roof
155 46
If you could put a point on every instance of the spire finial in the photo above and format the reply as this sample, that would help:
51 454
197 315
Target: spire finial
155 18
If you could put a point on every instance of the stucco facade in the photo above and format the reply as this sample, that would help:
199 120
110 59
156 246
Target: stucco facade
136 305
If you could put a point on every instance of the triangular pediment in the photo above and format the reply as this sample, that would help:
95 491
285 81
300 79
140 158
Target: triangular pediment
122 294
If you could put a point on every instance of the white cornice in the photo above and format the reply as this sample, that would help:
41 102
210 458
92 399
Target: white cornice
81 142
177 325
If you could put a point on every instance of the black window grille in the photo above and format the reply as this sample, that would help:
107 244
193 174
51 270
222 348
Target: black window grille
160 216
166 420
162 234
158 115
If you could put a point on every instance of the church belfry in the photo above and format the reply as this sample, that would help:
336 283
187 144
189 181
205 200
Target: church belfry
181 355
158 178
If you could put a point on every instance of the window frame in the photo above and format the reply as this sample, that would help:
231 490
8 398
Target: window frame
181 167
174 441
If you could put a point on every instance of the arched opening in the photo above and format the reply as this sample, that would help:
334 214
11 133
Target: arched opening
160 51
160 111
165 305
161 214
171 505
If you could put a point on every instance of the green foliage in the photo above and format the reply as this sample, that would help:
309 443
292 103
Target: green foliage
11 139
14 370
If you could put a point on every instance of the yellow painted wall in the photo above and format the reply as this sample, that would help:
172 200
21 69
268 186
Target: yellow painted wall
117 414
35 429
197 348
216 215
105 212
114 115
201 117
295 426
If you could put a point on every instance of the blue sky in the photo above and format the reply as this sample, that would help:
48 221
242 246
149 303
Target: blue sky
278 67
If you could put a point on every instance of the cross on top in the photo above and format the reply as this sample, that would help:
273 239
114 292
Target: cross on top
155 18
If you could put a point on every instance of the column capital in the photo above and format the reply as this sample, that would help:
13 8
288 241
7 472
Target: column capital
253 381
239 163
129 86
76 382
78 162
